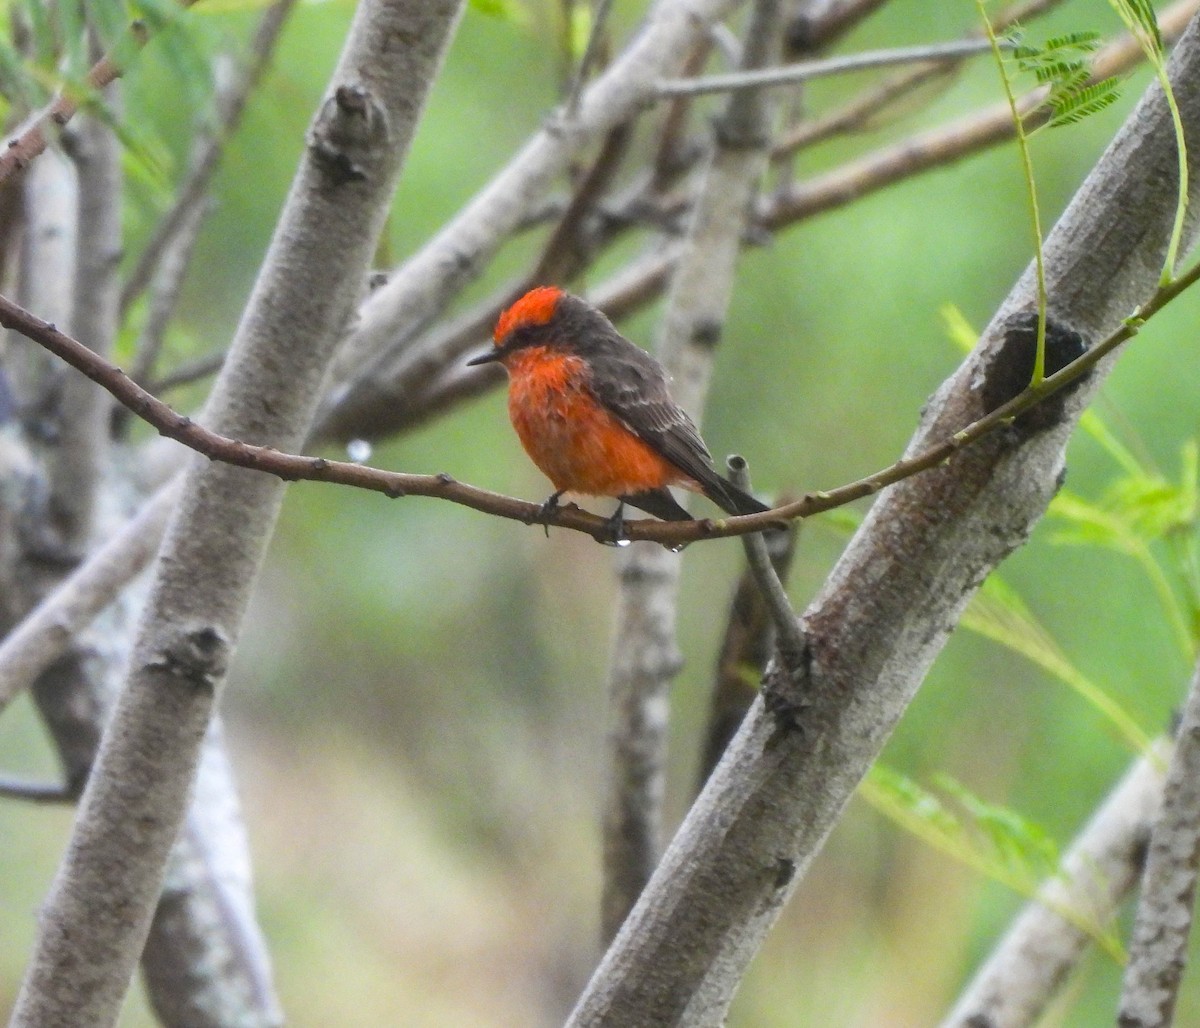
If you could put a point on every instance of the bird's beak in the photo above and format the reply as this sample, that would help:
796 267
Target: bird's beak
485 358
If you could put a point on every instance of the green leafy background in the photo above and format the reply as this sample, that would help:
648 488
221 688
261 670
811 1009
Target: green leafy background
417 710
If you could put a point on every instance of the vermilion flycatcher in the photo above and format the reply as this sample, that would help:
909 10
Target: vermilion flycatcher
594 413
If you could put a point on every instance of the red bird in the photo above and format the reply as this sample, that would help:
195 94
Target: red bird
594 413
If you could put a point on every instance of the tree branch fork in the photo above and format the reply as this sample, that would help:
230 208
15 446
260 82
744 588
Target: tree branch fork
394 484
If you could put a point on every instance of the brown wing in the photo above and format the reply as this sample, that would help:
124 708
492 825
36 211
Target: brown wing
633 386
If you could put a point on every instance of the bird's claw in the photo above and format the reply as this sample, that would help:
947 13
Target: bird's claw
547 511
615 529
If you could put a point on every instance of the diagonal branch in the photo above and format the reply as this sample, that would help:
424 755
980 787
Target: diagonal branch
889 605
46 632
793 74
1158 947
97 916
32 138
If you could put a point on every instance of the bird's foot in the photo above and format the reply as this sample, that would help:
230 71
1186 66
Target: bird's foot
547 511
615 528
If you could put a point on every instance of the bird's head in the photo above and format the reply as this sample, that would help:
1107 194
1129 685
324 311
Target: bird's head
527 322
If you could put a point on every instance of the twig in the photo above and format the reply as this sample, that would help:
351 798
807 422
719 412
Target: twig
563 256
33 137
590 55
806 71
1033 960
46 632
747 646
186 213
36 792
1158 948
172 267
787 626
186 374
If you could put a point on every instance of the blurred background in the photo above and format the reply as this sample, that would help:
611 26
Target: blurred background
417 709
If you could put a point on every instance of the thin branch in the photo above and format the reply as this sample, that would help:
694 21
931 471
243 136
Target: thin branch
36 792
171 269
186 213
32 138
806 71
590 56
189 373
747 646
292 467
46 632
762 567
1034 959
1158 948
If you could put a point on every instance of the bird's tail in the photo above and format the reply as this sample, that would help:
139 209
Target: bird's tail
729 497
658 502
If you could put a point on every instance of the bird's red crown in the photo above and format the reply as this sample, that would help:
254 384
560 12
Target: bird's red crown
536 307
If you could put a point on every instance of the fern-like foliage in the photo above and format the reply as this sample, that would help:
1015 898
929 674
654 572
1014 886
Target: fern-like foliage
1062 64
1140 20
995 841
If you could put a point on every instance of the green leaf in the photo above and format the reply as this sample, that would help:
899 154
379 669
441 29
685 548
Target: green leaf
995 841
1075 104
1137 510
997 612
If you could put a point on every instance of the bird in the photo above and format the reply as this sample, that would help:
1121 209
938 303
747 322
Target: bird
595 414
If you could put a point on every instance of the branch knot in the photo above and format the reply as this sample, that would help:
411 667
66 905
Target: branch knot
349 129
196 653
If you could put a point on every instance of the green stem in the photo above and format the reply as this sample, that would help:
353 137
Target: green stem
1039 363
1168 271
